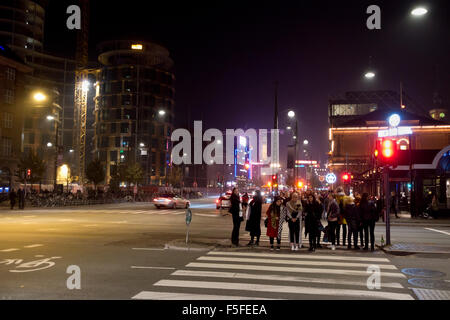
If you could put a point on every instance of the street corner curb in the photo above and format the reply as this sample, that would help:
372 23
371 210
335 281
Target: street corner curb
190 246
398 252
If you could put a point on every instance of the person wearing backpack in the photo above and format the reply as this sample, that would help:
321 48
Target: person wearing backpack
369 216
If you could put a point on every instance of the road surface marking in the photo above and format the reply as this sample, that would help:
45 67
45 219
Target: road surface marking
120 222
33 245
156 295
9 250
206 215
66 220
290 269
298 256
296 262
270 277
162 268
48 229
90 225
29 216
284 289
150 249
435 230
179 212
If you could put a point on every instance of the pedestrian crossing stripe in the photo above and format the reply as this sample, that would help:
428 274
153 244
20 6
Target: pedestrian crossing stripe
271 277
284 289
299 256
295 262
289 269
157 295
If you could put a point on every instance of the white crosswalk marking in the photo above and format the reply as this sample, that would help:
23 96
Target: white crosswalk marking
279 276
294 262
284 289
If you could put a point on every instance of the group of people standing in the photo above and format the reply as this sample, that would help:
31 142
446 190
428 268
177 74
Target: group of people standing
304 212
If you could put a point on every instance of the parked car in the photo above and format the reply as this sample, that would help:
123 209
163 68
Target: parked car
170 200
224 201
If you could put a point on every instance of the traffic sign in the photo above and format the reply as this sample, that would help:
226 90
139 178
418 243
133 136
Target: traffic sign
188 216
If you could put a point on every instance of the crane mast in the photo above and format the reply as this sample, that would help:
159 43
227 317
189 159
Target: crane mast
81 91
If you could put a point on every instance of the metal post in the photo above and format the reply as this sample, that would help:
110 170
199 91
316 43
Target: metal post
387 202
56 152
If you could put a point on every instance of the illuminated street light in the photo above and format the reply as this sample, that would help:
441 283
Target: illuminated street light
49 144
85 85
161 112
141 145
291 114
50 118
39 97
369 75
288 128
305 142
420 11
71 150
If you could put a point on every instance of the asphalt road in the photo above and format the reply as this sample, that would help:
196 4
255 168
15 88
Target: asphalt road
127 251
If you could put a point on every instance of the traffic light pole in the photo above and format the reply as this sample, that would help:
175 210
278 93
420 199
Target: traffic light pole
387 203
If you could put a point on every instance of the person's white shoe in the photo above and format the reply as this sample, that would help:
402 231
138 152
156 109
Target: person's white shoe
292 247
333 247
296 248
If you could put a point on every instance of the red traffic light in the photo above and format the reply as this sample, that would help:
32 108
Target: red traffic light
247 165
28 172
387 148
274 177
346 177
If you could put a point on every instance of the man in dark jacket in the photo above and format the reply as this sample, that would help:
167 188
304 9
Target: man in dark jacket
369 217
234 210
21 195
12 198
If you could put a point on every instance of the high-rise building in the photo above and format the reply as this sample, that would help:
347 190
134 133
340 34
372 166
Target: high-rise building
12 111
134 108
22 30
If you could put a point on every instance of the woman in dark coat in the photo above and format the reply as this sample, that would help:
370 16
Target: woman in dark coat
234 210
254 220
313 210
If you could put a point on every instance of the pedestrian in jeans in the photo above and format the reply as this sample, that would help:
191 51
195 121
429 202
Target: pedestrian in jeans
369 216
234 210
341 220
333 215
294 210
273 222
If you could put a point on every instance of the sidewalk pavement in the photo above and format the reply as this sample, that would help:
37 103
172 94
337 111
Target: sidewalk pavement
405 219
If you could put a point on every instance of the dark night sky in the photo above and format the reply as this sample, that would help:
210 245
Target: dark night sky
228 54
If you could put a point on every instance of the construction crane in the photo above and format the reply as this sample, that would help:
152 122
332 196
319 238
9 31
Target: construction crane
81 91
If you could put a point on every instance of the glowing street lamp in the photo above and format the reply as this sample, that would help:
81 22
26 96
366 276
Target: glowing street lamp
39 97
49 144
419 11
161 112
305 142
369 75
291 114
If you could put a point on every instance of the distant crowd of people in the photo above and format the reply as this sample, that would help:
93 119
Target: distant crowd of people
305 212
